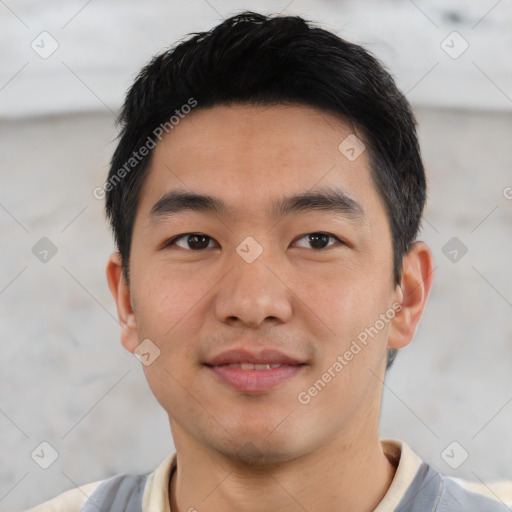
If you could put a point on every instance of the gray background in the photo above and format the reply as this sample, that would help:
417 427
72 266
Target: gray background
64 377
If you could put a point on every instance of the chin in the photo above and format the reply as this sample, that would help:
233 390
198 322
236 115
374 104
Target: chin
251 455
262 453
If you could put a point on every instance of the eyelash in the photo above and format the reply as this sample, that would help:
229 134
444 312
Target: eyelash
184 235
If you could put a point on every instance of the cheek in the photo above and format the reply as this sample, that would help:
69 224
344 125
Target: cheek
164 300
166 313
355 340
346 300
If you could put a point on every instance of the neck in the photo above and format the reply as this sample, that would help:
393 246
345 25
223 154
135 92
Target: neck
350 473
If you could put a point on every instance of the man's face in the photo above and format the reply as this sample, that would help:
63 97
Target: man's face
308 297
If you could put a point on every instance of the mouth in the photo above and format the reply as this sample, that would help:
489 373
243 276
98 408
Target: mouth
251 366
255 378
254 372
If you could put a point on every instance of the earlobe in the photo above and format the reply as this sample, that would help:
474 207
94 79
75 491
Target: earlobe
121 294
413 290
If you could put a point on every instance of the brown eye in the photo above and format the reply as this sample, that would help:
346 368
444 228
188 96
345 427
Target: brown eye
320 241
191 241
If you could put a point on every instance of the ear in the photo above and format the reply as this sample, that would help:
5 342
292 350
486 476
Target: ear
413 292
121 293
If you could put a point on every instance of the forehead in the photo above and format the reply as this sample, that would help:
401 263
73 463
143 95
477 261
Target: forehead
253 155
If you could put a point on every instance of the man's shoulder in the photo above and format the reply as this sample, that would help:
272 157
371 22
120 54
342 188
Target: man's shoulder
469 496
127 489
69 501
417 486
431 490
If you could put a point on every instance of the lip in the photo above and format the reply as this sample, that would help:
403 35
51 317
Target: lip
270 356
254 380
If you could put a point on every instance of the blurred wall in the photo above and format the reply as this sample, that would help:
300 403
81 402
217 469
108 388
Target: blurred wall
64 377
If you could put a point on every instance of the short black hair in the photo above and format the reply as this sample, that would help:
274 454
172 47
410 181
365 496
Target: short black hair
255 59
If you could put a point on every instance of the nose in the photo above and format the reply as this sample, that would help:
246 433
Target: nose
253 293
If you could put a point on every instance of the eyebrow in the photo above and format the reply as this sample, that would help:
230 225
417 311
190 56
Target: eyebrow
328 200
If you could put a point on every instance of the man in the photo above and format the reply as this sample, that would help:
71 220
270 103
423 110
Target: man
265 198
